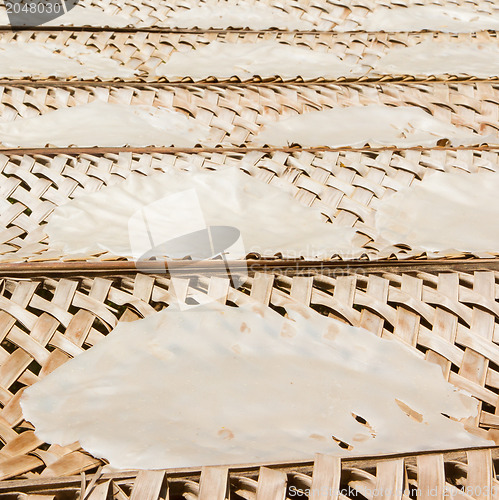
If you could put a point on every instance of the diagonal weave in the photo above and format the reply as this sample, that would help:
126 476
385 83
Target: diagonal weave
318 14
144 52
235 114
345 185
449 318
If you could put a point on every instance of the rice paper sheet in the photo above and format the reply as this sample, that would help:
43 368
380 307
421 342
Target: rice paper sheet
86 15
356 126
235 14
444 211
134 217
119 125
263 58
433 57
42 60
224 385
446 18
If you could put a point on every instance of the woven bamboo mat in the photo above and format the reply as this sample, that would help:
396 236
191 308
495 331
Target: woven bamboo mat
235 114
464 474
144 51
316 14
345 185
450 318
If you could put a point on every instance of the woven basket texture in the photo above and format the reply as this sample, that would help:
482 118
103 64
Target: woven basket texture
462 474
145 51
449 318
320 15
236 113
345 185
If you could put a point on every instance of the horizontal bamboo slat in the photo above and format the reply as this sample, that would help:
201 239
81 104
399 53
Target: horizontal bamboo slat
463 474
450 318
144 52
317 14
345 185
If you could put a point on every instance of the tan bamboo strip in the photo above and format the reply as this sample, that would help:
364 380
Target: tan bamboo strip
214 483
46 321
145 52
480 474
319 14
345 184
326 477
49 150
149 485
390 480
271 484
102 491
431 475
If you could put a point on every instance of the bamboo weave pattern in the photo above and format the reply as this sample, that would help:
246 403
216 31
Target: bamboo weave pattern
320 15
450 318
144 52
345 185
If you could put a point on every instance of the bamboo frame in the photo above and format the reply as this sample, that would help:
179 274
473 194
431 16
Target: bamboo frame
322 15
236 113
451 318
460 473
345 185
144 52
50 311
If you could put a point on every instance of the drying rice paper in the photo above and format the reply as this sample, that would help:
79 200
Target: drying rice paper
444 211
141 213
143 125
86 15
376 125
118 125
235 14
42 60
262 58
271 58
438 58
224 385
446 18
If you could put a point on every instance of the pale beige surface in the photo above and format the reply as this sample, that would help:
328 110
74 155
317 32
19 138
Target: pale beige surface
140 213
219 385
87 15
447 18
432 57
263 58
234 14
20 59
374 124
119 125
444 211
